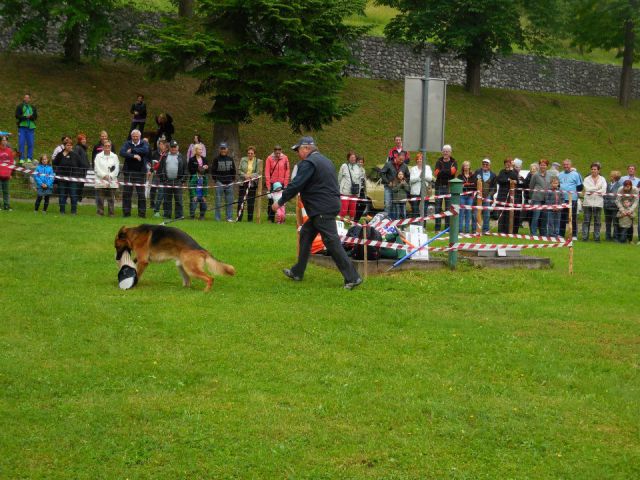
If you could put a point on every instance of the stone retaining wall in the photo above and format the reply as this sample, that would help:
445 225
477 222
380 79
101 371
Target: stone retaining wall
381 60
517 72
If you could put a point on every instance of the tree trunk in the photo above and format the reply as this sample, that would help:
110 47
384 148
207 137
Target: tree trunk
626 77
185 8
472 71
230 134
72 45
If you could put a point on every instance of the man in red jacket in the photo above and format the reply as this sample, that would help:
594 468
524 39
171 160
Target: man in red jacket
402 153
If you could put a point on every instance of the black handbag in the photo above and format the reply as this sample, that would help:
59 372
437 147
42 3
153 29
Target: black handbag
355 188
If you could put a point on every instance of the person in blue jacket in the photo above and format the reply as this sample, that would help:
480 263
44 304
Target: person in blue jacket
136 155
44 183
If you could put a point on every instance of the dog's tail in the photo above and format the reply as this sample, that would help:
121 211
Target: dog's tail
218 268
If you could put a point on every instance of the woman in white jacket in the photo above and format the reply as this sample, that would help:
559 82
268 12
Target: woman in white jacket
350 178
414 181
107 168
595 186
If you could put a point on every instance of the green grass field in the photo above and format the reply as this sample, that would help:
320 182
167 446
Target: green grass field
466 374
448 374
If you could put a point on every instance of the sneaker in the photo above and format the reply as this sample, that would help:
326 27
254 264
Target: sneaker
352 285
157 215
288 273
230 220
575 239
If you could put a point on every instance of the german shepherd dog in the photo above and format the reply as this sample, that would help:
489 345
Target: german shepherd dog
157 243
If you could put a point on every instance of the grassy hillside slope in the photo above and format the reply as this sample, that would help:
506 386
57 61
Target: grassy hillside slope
497 123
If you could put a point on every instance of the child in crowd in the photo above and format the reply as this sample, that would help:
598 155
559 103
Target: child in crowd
276 194
6 156
400 190
198 192
44 183
554 197
627 202
625 221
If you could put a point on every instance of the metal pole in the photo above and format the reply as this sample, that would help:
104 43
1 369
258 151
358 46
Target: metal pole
512 195
423 134
455 188
260 180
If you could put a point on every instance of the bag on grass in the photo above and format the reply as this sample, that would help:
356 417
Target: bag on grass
357 251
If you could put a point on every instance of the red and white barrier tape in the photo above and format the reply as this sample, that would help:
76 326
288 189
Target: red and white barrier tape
456 246
453 211
517 207
526 237
91 181
394 223
478 247
373 243
574 193
413 199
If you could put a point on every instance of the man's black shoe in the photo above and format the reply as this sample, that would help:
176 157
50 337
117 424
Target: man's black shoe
289 273
352 285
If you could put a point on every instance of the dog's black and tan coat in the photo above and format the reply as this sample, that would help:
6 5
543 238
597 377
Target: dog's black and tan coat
157 243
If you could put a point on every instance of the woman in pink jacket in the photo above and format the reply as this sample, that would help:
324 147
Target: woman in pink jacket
6 156
276 169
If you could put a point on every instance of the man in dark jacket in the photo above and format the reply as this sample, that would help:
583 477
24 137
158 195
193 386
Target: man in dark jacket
446 168
83 163
389 176
173 174
317 183
26 116
139 115
223 174
134 171
488 179
66 164
504 178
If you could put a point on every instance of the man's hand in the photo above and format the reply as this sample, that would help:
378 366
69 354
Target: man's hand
275 207
137 157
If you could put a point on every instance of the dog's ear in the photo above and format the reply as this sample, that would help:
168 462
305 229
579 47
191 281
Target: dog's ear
122 242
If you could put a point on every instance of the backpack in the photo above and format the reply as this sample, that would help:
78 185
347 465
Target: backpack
357 251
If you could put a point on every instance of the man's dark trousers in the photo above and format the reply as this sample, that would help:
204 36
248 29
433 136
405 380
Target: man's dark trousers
137 178
326 226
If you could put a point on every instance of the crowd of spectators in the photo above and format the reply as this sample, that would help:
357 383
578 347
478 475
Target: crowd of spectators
544 185
156 171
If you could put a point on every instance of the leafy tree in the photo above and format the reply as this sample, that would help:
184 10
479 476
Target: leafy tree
32 18
475 30
282 58
611 24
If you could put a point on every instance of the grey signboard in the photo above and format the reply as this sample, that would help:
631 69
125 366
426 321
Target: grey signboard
436 110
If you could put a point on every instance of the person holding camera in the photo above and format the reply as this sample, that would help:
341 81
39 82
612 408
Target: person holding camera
350 179
107 168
